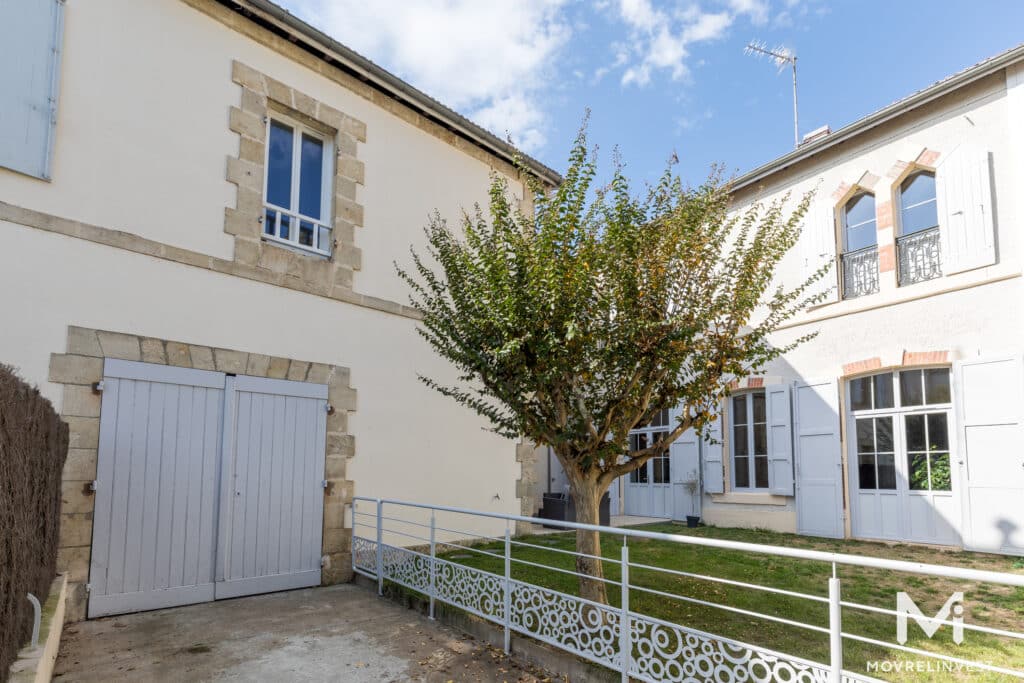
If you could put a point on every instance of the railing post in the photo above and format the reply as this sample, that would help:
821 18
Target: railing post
380 547
433 563
835 628
508 589
352 539
625 629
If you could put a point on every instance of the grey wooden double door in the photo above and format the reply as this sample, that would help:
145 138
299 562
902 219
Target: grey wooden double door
208 486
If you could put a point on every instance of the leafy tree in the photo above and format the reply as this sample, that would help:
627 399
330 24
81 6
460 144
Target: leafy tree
576 323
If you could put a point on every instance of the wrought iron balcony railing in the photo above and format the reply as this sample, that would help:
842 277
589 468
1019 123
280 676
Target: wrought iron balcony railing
920 256
860 272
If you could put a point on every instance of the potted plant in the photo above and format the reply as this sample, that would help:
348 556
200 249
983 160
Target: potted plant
691 487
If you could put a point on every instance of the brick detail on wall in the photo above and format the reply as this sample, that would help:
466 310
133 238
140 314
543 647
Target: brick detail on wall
82 366
886 256
752 382
925 357
866 365
841 191
868 181
928 158
262 95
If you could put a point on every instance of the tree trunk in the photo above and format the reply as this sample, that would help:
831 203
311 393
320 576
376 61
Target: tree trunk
587 495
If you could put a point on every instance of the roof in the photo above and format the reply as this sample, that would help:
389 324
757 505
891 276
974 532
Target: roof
920 98
272 15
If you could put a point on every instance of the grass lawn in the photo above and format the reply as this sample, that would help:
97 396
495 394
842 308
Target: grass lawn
989 605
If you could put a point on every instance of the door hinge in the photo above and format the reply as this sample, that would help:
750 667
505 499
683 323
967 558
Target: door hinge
97 387
329 408
323 483
88 588
323 561
93 485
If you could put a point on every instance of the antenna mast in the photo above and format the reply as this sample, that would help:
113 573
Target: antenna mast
781 56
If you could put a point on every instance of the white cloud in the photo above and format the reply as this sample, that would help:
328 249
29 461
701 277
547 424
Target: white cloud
661 39
488 60
757 10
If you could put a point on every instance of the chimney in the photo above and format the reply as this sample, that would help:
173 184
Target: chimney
816 134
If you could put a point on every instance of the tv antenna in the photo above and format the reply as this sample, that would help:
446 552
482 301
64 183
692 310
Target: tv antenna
781 56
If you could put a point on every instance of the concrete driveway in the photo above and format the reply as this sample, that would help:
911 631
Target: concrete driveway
341 633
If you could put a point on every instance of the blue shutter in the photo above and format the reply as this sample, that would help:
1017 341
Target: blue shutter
780 439
714 477
30 32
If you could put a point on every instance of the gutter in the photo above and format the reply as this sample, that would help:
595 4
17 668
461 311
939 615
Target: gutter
333 52
894 110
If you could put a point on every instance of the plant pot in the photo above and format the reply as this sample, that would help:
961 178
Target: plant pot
692 521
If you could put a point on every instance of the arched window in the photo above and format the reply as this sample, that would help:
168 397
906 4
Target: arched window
917 245
860 246
918 210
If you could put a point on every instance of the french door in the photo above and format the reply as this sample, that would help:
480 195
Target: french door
649 488
901 450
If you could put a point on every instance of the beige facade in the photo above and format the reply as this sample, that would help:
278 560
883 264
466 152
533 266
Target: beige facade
146 245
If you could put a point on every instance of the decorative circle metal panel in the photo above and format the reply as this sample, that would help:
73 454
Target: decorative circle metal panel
568 622
663 652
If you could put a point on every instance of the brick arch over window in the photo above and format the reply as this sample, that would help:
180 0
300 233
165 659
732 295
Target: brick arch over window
82 366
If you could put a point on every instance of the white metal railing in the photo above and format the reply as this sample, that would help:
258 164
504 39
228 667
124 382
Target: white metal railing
403 543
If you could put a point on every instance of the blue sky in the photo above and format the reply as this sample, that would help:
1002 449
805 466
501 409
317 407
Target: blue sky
666 77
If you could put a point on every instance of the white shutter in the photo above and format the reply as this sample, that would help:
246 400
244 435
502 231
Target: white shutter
963 190
30 31
685 452
780 440
819 468
988 471
818 247
714 479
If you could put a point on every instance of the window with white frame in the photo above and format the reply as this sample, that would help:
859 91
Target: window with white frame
860 246
298 186
657 470
749 442
918 243
902 422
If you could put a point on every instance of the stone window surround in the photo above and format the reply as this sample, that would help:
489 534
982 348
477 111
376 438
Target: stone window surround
82 365
261 95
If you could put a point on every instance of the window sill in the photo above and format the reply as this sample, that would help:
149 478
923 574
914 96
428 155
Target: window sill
295 248
735 497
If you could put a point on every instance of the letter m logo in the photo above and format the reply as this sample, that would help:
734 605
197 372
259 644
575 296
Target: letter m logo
905 607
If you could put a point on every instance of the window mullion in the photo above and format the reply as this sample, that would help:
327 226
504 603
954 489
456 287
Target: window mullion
927 447
293 233
752 459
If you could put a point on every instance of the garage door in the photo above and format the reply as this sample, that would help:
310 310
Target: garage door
207 486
